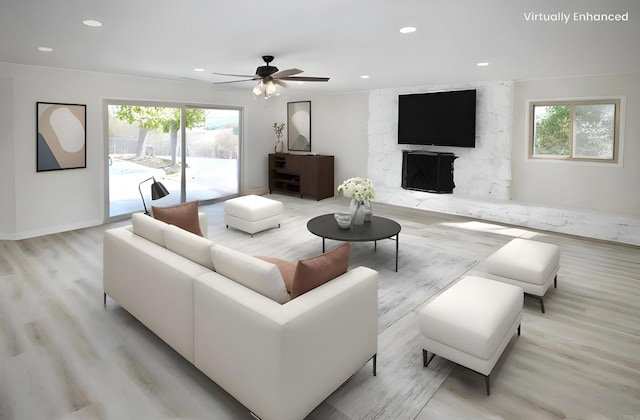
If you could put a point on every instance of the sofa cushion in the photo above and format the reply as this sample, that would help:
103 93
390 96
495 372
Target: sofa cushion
184 216
287 269
313 272
148 228
258 275
189 245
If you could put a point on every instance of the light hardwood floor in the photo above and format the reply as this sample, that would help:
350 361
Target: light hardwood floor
64 355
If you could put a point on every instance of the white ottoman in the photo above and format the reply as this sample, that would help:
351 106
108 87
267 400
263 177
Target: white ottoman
252 213
471 323
531 265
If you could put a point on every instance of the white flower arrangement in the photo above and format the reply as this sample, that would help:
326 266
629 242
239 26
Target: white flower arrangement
360 189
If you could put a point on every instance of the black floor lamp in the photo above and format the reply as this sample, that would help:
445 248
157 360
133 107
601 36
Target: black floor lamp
157 191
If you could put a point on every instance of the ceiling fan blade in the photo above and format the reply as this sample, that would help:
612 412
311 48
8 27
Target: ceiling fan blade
280 82
232 75
233 81
306 79
285 73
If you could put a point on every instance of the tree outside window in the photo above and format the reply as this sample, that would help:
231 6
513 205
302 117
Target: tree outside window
552 130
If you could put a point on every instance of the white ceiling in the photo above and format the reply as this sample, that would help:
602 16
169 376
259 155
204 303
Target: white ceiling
340 39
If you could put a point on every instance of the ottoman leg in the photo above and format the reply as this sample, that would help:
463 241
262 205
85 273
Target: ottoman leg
425 358
375 357
539 298
487 385
555 282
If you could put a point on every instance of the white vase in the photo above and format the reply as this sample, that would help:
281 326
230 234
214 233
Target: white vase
368 210
357 212
279 146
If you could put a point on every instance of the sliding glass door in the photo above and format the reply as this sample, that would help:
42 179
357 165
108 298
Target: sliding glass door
211 153
192 151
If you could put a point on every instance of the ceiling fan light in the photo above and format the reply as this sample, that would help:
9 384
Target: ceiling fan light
270 88
258 89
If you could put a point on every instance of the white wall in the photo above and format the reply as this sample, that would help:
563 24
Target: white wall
7 183
609 188
357 128
338 128
55 201
483 171
483 175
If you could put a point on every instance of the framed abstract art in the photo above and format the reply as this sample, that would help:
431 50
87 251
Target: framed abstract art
61 139
299 126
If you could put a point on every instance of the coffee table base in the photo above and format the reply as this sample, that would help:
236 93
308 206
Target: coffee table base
375 247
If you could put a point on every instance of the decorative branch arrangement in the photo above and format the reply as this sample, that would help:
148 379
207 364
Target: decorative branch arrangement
278 128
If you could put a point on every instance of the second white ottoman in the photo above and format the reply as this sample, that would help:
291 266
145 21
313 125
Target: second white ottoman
252 213
531 265
471 323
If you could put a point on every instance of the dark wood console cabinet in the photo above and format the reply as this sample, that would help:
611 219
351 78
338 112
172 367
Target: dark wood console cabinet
305 175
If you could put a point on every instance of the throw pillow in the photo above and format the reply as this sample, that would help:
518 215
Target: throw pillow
287 269
185 216
313 272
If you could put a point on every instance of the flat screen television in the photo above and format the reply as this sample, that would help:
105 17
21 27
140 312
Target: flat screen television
438 118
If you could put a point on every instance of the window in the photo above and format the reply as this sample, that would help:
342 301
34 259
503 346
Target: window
193 151
581 130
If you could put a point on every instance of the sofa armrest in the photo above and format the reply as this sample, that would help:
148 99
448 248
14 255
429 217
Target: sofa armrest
281 361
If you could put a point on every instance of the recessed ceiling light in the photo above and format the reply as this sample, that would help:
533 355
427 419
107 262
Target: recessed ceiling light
92 23
364 76
198 69
407 30
45 49
482 64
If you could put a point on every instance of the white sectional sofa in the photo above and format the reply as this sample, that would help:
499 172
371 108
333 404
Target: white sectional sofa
278 360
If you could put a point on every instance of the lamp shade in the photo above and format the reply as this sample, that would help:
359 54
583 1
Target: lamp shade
158 190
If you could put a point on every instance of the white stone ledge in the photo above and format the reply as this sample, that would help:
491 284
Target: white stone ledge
591 224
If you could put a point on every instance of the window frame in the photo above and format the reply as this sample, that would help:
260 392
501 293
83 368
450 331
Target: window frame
617 102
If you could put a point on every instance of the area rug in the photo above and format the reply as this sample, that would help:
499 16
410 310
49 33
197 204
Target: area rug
422 272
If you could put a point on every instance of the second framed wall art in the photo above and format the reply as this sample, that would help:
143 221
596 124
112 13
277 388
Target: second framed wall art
299 126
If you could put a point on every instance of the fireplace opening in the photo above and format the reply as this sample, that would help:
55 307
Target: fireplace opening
428 171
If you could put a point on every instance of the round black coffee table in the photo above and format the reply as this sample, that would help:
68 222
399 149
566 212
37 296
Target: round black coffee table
326 227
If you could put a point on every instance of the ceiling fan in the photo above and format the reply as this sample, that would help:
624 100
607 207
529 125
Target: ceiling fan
269 76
